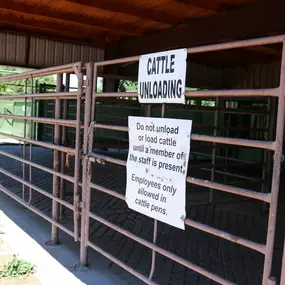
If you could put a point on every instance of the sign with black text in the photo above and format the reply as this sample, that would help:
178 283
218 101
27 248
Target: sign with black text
162 77
157 168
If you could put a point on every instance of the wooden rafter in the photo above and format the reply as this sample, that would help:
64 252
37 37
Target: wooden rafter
15 21
210 5
251 21
68 17
125 8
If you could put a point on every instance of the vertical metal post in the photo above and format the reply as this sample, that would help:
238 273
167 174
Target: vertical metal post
77 154
275 175
24 144
31 137
273 122
148 110
63 141
227 148
85 205
283 267
214 152
266 154
153 258
56 164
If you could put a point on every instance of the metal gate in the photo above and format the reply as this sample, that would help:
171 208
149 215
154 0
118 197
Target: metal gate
80 202
271 198
59 146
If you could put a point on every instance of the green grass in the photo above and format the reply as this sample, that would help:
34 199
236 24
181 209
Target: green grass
17 267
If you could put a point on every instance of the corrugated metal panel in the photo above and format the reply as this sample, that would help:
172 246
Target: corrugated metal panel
43 52
253 76
12 49
202 76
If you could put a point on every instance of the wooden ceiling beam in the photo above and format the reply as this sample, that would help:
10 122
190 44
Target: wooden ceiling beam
14 21
210 5
242 23
122 7
68 17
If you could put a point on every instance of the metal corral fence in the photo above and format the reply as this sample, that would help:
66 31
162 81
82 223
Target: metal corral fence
270 198
59 145
87 94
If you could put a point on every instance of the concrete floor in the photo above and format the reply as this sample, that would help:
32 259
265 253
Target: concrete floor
231 213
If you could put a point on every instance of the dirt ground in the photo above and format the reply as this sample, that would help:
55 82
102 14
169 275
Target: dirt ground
23 280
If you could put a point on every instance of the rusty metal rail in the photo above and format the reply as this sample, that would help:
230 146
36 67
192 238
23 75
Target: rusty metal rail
204 138
87 91
41 96
273 145
57 122
67 123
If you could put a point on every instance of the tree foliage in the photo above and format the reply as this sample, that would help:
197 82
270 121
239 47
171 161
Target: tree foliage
16 87
127 86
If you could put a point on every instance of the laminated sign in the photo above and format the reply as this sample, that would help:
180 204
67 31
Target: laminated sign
157 168
162 77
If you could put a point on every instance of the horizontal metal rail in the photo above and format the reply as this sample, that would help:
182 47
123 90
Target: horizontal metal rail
94 157
266 197
216 232
41 96
204 93
111 127
35 210
237 44
115 94
40 72
202 109
122 264
107 191
223 157
233 93
227 236
30 185
67 123
207 48
42 144
204 138
233 141
233 174
38 166
162 251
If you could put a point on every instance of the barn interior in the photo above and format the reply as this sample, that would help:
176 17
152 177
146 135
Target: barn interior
48 122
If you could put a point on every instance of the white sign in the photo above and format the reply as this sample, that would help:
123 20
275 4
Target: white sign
157 168
162 77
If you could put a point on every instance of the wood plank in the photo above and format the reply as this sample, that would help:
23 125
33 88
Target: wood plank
210 5
119 6
14 18
247 22
70 17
